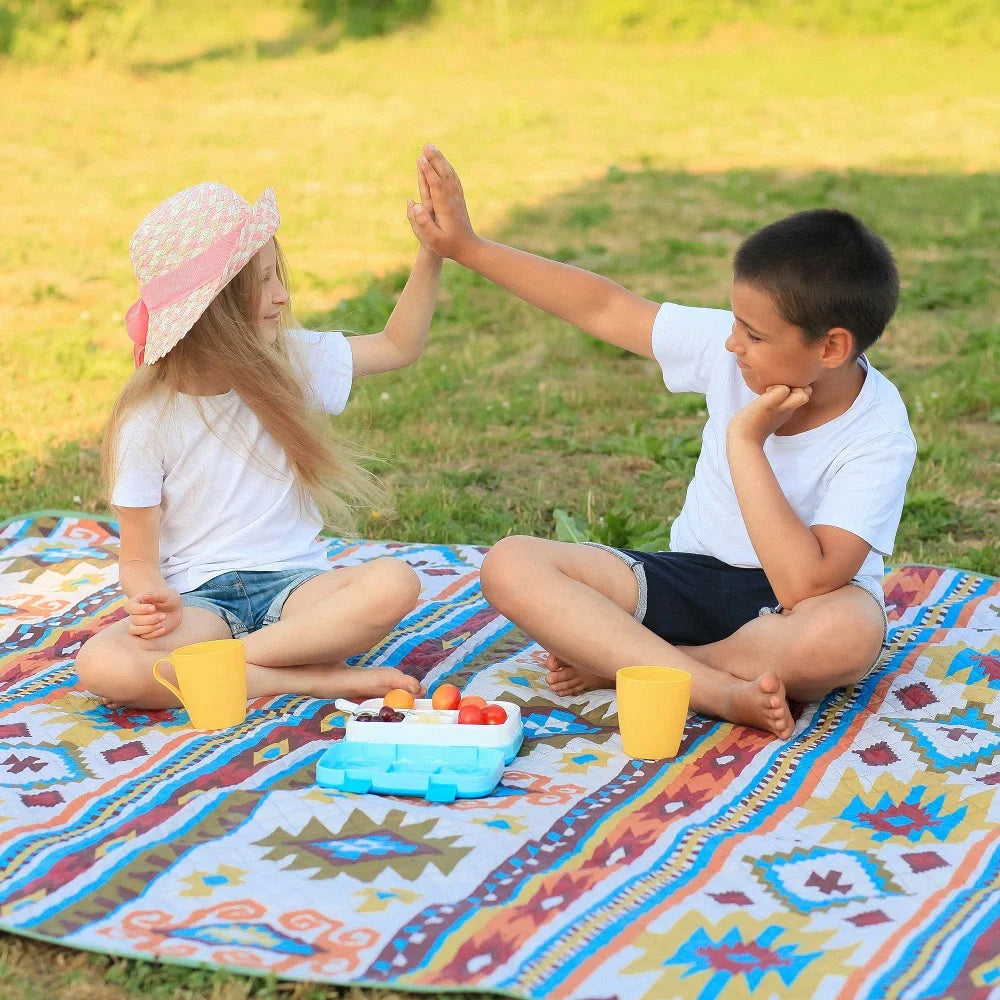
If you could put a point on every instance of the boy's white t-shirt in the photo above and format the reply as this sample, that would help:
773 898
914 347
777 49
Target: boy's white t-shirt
850 473
222 510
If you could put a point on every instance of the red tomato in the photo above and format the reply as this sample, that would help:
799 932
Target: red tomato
494 715
446 697
472 699
470 715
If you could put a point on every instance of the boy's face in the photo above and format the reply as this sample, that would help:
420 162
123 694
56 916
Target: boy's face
768 349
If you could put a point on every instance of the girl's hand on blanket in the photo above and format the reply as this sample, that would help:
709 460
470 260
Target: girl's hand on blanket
441 222
154 613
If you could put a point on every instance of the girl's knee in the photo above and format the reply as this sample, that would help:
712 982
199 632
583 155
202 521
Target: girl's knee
396 588
105 668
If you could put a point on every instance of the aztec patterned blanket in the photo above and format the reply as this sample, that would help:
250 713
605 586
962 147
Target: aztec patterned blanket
859 859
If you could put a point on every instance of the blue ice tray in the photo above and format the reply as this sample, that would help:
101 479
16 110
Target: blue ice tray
439 774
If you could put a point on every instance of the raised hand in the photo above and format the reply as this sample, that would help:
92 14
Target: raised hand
441 220
154 613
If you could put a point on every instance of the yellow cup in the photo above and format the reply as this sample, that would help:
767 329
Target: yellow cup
652 708
212 679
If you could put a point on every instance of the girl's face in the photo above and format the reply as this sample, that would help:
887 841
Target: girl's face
273 294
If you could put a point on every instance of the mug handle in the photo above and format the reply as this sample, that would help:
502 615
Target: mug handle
159 678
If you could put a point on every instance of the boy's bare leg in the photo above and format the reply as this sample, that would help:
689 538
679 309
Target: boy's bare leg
822 643
577 601
808 647
325 620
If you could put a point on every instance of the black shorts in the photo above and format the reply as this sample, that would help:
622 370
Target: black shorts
691 600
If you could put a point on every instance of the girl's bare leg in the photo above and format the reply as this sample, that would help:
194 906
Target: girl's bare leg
325 620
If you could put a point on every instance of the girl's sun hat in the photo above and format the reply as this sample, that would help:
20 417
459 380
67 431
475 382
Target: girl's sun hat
184 253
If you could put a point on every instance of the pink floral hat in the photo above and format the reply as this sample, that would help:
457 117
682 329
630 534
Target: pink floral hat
184 253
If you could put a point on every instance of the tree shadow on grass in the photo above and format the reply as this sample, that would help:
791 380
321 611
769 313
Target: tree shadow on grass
333 20
561 421
587 425
670 235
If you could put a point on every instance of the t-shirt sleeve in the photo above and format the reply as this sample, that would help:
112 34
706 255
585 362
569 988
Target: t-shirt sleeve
689 343
139 466
328 366
866 490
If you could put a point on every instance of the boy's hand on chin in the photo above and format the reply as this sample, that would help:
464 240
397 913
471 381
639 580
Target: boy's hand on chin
758 420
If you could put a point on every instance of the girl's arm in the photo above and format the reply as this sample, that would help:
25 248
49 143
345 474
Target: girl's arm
402 340
592 303
154 608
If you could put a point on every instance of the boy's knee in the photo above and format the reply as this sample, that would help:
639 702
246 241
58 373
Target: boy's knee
502 573
827 654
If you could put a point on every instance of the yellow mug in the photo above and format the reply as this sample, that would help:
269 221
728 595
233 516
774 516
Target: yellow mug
212 680
652 709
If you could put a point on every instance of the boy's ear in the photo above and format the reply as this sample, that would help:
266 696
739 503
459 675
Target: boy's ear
838 347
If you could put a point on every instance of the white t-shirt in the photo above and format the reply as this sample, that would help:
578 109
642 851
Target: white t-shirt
850 472
222 510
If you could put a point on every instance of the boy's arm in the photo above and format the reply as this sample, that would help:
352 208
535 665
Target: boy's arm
799 561
155 609
588 301
402 340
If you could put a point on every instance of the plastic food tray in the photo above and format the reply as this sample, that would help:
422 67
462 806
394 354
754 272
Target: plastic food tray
438 774
446 734
429 753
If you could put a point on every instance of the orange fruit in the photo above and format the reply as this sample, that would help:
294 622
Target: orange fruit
398 698
447 696
472 699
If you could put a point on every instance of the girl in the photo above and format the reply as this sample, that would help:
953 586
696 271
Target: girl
222 475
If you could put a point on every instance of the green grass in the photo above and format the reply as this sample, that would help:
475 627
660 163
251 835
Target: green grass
644 156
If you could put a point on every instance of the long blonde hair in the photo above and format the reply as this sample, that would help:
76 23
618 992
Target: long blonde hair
225 343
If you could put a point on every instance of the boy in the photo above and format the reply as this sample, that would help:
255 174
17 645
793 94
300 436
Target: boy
772 588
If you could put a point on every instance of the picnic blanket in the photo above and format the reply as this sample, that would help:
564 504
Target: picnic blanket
859 859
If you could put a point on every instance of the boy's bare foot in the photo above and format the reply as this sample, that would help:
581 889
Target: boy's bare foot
566 680
762 704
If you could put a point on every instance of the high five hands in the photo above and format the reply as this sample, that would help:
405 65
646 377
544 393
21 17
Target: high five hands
440 220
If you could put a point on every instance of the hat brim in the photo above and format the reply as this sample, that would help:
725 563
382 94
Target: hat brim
168 325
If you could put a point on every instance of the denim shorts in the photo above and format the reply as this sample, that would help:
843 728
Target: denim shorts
691 599
247 601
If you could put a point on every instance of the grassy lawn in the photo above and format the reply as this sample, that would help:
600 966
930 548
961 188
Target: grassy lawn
646 159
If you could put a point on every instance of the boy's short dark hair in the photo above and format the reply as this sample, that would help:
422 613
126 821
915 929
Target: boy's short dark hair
823 269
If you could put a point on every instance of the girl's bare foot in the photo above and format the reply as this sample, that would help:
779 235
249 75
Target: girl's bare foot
762 704
359 683
566 680
328 681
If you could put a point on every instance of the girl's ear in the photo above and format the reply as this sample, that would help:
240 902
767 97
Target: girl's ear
838 347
